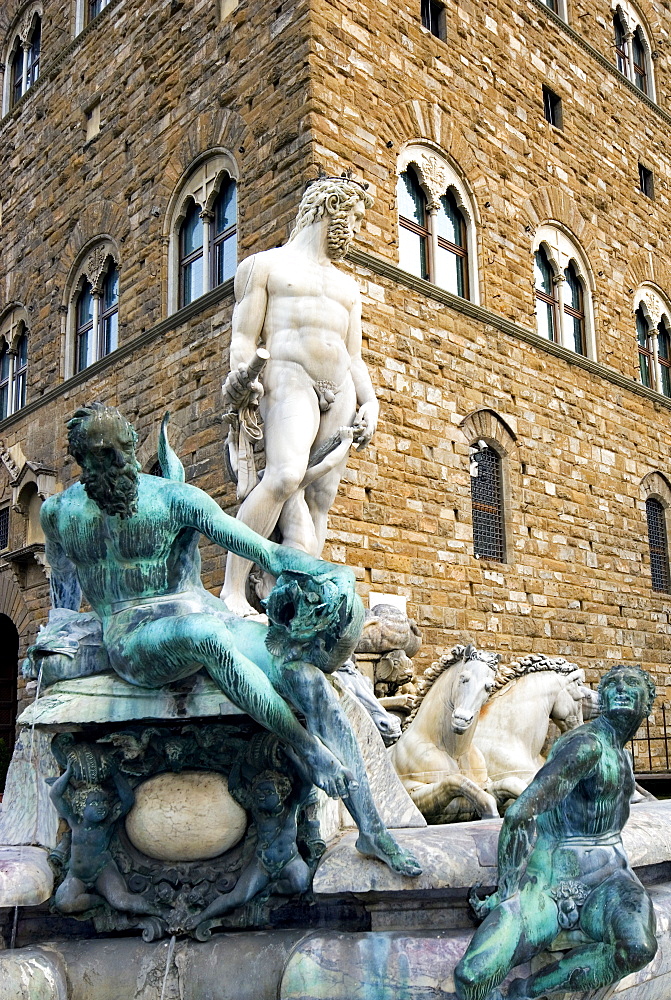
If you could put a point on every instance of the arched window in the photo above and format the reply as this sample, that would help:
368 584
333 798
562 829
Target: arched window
546 298
664 356
93 308
657 541
563 295
574 307
645 349
414 236
652 313
203 230
13 361
23 59
632 46
487 504
437 237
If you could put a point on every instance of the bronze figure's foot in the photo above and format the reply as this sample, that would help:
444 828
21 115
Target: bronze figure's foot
383 846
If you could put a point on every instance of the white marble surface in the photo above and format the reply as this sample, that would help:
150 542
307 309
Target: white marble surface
26 878
458 855
27 815
190 816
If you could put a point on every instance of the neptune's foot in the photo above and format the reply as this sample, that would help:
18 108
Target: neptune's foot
318 765
383 846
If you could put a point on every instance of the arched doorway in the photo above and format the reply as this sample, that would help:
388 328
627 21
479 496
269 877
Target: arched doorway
9 665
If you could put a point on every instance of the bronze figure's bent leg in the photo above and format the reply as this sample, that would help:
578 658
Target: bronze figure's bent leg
178 646
308 690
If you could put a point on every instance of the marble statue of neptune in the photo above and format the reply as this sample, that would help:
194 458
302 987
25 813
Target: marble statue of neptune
315 395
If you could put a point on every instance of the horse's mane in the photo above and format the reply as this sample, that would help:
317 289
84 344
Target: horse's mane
443 663
535 663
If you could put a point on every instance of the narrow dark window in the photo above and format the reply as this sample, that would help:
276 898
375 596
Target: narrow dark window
621 56
552 107
33 55
574 307
552 4
109 315
16 81
95 7
413 232
9 670
20 372
546 297
646 181
5 387
224 256
191 256
638 58
659 553
645 353
4 527
487 504
451 266
664 357
433 18
86 348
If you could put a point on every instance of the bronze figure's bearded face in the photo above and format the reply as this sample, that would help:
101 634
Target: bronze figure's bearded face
103 443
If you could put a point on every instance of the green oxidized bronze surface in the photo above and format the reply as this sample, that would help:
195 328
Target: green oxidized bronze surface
564 879
129 543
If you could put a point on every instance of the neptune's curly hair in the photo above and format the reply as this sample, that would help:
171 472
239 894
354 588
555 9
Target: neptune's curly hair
645 678
102 442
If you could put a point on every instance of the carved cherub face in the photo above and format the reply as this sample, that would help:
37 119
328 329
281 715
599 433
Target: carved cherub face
96 808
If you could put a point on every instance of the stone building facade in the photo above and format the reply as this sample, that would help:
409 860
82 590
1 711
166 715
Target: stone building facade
516 108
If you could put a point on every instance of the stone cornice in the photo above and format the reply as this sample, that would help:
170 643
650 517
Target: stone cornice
487 318
125 349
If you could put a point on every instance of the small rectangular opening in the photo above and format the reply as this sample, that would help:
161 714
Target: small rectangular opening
433 18
92 120
552 107
646 181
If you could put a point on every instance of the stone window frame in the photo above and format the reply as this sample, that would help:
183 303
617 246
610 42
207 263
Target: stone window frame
655 486
14 327
562 249
487 426
656 309
633 24
21 34
437 176
201 184
92 265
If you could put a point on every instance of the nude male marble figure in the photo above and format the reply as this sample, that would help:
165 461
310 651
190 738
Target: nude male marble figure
295 304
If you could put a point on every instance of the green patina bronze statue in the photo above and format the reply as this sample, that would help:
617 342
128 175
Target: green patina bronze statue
562 867
129 543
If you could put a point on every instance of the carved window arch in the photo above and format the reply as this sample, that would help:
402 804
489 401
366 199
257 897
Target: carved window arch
652 314
563 284
437 224
22 57
13 360
657 492
491 442
92 324
202 235
633 51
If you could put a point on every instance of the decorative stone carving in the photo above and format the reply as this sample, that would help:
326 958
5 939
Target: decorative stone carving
95 264
9 463
26 24
654 307
435 757
565 882
388 641
309 389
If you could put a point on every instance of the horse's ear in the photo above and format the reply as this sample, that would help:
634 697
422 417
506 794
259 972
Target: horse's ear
469 651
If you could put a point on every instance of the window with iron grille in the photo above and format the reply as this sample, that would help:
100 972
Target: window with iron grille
487 504
4 527
659 552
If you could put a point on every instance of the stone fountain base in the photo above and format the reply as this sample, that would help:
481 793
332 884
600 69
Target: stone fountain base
367 934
